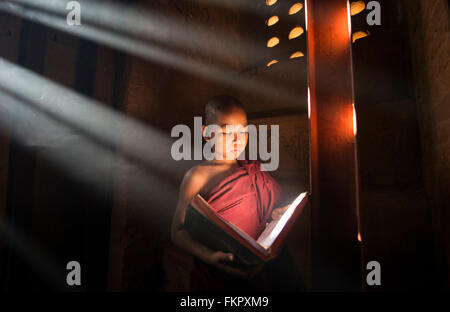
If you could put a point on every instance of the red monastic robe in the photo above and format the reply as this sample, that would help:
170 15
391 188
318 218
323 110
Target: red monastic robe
245 198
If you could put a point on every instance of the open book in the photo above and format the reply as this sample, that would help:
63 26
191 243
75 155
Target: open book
210 229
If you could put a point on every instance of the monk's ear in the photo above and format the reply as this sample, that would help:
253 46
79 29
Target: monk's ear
204 133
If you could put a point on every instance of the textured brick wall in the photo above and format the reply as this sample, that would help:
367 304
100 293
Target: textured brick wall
430 43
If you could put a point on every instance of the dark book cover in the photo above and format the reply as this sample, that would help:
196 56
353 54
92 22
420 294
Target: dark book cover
216 233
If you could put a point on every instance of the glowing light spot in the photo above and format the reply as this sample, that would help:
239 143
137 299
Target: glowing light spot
357 7
354 120
273 42
296 32
349 20
295 8
359 34
271 2
309 103
272 62
359 237
306 14
296 54
272 20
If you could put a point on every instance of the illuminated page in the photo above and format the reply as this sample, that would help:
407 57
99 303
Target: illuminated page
273 229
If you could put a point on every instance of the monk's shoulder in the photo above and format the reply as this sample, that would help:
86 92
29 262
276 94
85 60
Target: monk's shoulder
196 176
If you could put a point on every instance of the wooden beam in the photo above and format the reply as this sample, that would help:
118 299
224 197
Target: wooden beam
335 247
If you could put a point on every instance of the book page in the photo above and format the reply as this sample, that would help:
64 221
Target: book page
273 229
244 235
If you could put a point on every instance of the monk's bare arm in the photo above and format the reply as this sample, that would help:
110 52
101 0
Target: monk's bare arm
192 183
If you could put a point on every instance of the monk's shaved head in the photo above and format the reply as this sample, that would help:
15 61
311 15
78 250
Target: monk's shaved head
221 104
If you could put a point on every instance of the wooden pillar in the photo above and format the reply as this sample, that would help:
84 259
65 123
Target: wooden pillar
335 247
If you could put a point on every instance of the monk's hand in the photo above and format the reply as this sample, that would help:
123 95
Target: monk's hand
220 259
278 212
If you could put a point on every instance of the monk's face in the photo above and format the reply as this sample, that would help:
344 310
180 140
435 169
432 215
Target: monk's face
232 136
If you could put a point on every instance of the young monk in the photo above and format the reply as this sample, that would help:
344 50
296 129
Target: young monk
237 190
